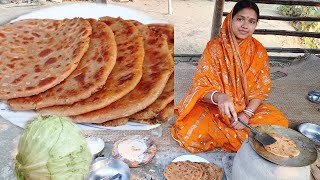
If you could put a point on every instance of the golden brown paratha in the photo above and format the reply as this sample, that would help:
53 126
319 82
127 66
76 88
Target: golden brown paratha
163 116
212 171
90 75
124 77
283 147
142 28
157 67
38 54
114 122
163 100
193 170
165 30
200 167
182 170
205 171
151 121
166 113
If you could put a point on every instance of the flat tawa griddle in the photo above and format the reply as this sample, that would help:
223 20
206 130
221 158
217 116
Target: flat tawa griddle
308 152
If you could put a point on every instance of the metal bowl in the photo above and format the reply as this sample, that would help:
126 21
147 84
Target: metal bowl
314 96
312 131
104 168
95 145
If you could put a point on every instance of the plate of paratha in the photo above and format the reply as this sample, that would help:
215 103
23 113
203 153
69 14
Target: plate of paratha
101 85
192 167
87 10
21 118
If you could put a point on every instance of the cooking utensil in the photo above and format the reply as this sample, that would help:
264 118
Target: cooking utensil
104 168
117 176
314 96
95 145
263 138
308 152
312 131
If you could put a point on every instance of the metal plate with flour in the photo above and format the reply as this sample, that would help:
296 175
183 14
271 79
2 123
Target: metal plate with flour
308 152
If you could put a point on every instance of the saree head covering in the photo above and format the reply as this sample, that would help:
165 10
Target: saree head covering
242 72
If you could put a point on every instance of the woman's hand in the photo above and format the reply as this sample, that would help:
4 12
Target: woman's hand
238 125
226 105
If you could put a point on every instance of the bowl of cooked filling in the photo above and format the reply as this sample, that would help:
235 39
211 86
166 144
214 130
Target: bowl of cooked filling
312 131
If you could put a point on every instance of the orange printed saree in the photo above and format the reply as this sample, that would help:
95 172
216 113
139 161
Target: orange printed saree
239 70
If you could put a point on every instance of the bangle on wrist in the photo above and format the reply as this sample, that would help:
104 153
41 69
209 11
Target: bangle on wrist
248 112
249 109
247 115
212 97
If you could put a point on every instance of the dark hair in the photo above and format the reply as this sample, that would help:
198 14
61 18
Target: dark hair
245 4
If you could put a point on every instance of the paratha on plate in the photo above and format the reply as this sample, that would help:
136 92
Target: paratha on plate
163 100
210 171
165 30
166 113
115 122
182 170
157 68
38 54
283 147
142 28
163 116
90 75
123 78
193 170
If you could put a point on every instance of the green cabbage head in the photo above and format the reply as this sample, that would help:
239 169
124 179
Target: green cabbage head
52 147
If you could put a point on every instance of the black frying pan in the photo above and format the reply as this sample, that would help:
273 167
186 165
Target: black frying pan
308 152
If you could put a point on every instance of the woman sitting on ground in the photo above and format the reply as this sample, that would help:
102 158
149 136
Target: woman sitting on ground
232 80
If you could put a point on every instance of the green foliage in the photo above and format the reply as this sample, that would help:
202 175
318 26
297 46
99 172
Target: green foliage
306 26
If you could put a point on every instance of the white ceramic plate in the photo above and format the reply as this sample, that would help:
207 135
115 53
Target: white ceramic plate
192 158
21 118
85 10
88 10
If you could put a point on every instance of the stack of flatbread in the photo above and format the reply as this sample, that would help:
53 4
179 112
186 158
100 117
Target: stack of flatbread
186 170
107 71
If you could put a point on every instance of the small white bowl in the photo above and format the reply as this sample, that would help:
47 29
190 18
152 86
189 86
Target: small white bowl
96 145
